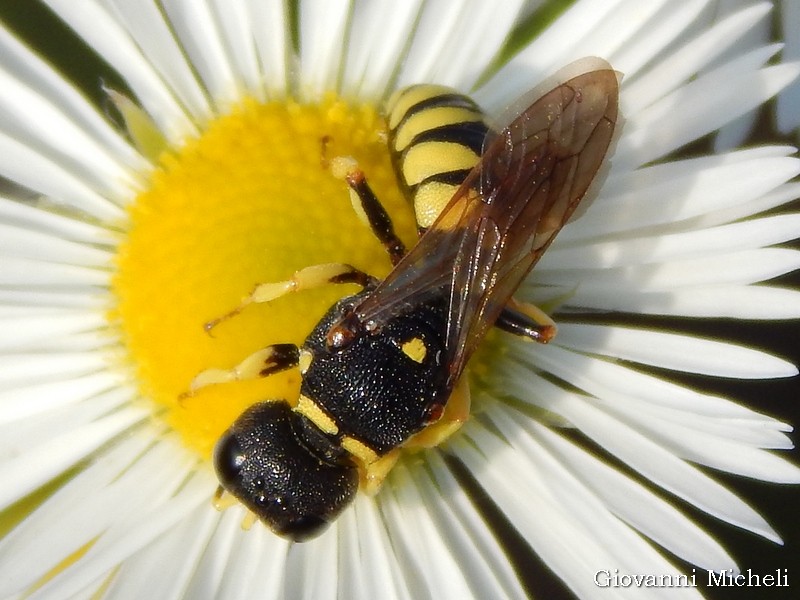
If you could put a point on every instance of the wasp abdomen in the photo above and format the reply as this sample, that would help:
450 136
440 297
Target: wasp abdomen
436 136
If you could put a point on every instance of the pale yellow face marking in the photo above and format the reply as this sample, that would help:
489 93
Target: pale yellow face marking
415 349
312 411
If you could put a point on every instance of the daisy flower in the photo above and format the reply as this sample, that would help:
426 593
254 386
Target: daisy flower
599 452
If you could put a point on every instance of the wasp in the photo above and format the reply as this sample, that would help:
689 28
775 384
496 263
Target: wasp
382 370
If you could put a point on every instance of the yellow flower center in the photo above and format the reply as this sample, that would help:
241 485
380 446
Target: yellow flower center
250 201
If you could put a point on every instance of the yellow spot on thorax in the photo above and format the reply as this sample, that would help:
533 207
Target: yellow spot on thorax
251 200
414 349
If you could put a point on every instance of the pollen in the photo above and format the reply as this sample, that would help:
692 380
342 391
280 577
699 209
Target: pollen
252 200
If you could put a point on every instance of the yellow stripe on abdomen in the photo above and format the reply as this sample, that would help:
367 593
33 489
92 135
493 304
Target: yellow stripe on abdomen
436 137
426 160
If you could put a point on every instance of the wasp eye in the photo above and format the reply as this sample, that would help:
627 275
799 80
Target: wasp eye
228 459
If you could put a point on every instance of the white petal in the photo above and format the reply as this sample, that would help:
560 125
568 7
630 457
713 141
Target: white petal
252 563
548 52
672 351
369 568
19 369
269 23
311 569
747 266
196 28
610 380
653 37
40 124
634 503
38 398
438 53
690 441
29 168
35 328
33 273
44 247
43 80
715 98
780 196
322 30
669 193
753 233
105 35
728 301
126 537
26 216
374 52
650 459
79 492
481 557
236 560
679 66
410 525
572 531
143 574
34 466
235 29
145 23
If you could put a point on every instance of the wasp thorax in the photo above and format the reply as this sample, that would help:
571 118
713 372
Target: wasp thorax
295 487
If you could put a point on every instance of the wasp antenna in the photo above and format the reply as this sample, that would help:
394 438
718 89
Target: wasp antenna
208 326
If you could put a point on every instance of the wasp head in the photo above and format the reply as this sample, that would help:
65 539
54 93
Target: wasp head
282 468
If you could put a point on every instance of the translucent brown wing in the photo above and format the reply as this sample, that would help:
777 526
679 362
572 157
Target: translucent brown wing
529 181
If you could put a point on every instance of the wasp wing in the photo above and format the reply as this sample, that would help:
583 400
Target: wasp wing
529 181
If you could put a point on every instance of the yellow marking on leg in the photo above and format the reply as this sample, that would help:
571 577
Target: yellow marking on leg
415 349
250 368
314 413
372 467
346 168
375 472
549 329
304 279
223 499
304 362
456 413
249 520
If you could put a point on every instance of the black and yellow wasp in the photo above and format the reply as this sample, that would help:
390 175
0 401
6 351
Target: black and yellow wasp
382 369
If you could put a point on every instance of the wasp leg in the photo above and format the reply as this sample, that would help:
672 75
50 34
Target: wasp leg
456 412
367 206
304 279
375 472
527 320
262 363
